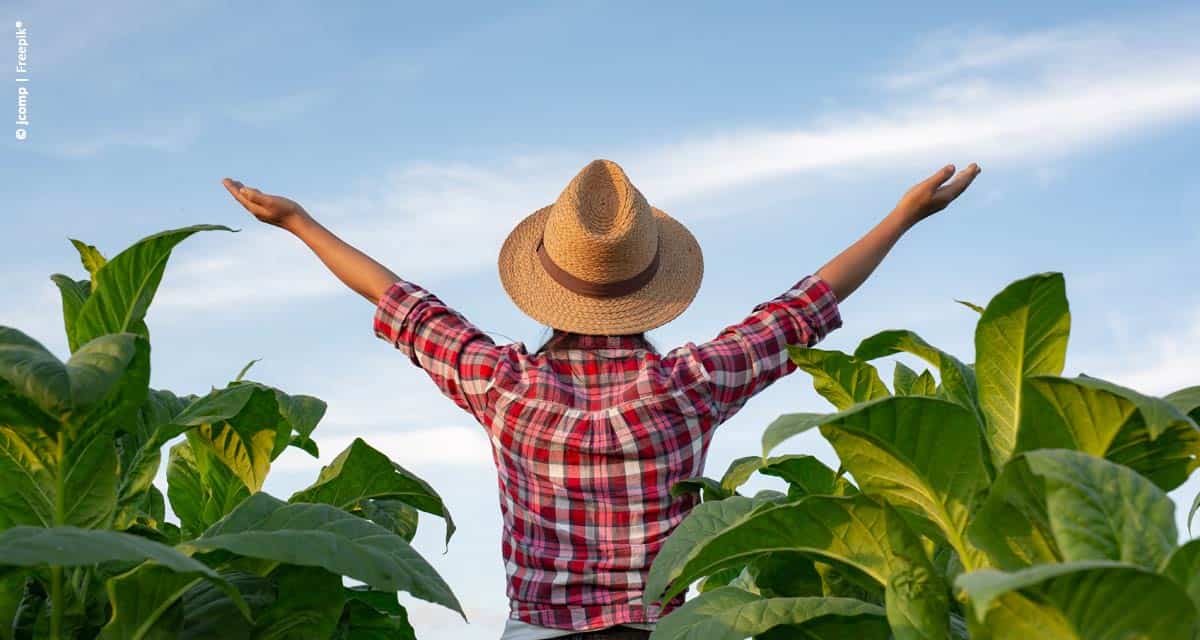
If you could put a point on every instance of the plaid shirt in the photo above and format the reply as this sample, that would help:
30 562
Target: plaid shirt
589 440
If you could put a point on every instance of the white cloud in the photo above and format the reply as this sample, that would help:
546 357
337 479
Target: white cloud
281 108
1018 99
1156 364
169 136
956 52
64 31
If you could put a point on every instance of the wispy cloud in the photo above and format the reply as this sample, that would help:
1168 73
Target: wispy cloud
956 52
1016 98
178 133
1156 364
281 108
172 136
65 31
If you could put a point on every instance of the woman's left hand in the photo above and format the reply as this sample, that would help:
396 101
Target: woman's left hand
934 194
276 210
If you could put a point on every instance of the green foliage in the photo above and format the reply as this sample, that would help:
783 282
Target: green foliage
730 613
362 478
86 550
1006 502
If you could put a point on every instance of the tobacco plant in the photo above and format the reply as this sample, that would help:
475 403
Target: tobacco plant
86 547
1002 502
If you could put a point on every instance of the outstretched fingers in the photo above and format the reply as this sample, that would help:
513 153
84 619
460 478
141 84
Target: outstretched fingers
959 184
936 180
246 196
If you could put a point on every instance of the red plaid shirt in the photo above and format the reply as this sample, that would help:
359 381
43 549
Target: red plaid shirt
589 440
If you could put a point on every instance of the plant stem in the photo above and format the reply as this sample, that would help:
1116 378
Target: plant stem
56 603
56 586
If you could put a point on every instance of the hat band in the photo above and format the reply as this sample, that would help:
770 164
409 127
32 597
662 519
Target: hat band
597 289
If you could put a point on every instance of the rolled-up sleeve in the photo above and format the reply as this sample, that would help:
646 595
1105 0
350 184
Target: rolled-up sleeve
459 357
747 357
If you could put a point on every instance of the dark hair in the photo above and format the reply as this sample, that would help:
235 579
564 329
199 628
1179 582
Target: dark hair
565 340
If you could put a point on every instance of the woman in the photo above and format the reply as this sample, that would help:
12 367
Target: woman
589 433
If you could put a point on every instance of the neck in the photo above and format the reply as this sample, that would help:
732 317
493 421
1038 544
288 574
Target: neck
569 340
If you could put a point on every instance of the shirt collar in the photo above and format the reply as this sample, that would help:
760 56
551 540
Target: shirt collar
625 343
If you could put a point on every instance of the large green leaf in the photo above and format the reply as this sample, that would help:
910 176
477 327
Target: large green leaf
324 536
361 472
1096 600
247 425
1076 507
841 379
373 615
209 614
201 488
302 413
850 532
73 293
144 602
110 379
1011 526
147 602
1090 415
706 488
32 372
807 475
902 379
30 620
1101 510
11 594
1183 566
308 606
674 565
1159 413
916 595
923 455
395 516
238 425
780 574
739 472
73 547
787 426
57 423
958 380
1187 400
139 450
27 475
924 385
1023 332
124 287
88 489
730 613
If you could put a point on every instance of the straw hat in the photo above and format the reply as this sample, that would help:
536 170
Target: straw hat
601 260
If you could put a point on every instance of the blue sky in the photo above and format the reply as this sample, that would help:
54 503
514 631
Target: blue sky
779 135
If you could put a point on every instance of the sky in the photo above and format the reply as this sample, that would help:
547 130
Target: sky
778 134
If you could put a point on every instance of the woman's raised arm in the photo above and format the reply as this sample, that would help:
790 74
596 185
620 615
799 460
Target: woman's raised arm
356 269
846 272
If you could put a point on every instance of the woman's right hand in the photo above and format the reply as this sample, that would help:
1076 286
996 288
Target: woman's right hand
934 194
271 209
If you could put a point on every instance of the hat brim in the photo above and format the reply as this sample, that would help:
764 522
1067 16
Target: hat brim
669 292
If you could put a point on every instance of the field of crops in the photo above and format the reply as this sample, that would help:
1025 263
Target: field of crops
993 500
85 547
1006 502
